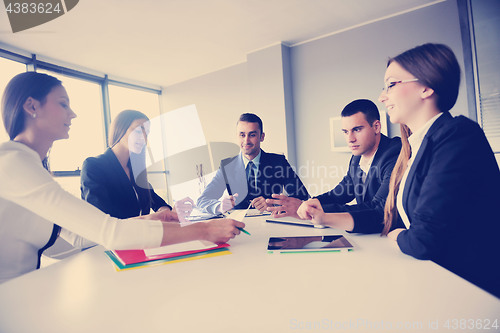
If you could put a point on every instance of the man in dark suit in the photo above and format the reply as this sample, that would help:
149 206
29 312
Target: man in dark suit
252 176
367 179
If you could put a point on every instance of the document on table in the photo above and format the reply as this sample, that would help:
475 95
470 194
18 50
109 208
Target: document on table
238 214
255 212
182 247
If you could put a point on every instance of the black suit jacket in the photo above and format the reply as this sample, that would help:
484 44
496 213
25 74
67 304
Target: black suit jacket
105 185
275 175
368 213
451 197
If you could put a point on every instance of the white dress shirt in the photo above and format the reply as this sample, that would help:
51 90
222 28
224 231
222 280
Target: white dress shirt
365 167
31 201
415 141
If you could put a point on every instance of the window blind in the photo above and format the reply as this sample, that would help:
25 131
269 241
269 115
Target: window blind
485 15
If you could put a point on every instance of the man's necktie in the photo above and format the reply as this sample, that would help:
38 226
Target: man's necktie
252 186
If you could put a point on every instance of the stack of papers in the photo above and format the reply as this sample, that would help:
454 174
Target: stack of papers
128 259
255 212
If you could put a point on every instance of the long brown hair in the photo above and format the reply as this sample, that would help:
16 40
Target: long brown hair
435 66
121 124
20 87
390 210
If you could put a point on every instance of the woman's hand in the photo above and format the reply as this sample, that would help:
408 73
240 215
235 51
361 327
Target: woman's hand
312 210
221 230
394 234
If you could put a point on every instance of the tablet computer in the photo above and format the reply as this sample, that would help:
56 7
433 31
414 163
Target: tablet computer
321 243
294 221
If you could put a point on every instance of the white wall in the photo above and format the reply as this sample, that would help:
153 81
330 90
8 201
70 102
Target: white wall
256 86
220 97
268 96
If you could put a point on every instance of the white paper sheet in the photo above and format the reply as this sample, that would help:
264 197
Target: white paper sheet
182 247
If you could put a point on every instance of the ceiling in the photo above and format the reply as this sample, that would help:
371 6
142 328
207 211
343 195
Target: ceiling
163 42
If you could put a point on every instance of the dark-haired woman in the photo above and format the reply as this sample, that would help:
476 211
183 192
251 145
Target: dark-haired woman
445 185
116 181
35 210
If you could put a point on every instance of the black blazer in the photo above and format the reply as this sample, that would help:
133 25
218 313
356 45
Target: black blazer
368 213
452 200
105 185
275 175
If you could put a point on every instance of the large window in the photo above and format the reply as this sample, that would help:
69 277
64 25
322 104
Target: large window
486 21
124 98
481 35
9 69
86 136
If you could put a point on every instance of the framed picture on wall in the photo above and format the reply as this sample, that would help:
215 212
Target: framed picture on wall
337 137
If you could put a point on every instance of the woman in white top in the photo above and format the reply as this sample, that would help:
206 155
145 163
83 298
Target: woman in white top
444 186
35 210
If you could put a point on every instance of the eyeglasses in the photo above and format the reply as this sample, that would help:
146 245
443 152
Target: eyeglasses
389 85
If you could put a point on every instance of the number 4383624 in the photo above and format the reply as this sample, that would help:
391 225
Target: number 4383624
33 8
471 324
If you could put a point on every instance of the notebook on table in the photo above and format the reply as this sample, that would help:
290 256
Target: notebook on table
128 257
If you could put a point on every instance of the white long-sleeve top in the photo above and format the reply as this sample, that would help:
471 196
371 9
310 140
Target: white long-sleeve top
31 201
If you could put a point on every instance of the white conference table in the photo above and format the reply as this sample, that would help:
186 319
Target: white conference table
375 288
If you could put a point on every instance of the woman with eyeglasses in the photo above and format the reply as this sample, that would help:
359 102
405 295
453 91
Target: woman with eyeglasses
444 186
35 210
116 182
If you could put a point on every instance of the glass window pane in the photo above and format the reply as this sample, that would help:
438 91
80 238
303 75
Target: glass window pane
121 98
86 136
9 69
486 20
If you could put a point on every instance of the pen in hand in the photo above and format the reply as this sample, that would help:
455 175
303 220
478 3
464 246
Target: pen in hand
237 215
243 230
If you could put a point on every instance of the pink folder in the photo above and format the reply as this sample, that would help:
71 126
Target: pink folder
128 257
